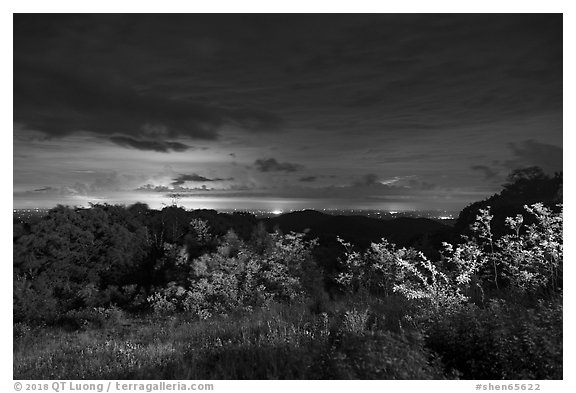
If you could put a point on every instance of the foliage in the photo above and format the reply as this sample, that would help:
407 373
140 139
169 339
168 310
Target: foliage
501 341
236 277
373 272
504 339
355 321
76 258
379 355
96 317
530 259
384 268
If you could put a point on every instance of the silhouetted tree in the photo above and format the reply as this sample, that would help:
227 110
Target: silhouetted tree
523 187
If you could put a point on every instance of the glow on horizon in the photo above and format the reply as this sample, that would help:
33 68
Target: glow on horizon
244 202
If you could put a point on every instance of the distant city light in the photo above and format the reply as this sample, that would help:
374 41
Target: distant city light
34 213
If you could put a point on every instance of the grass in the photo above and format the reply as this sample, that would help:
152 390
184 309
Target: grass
279 343
351 339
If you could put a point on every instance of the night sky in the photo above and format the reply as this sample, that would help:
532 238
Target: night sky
380 111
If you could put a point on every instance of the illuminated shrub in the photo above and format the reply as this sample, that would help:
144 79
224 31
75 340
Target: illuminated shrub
532 256
528 260
236 277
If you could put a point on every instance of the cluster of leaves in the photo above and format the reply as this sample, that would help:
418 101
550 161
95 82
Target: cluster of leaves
239 276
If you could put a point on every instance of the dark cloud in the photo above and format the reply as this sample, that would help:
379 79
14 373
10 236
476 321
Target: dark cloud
181 179
183 192
46 189
150 187
316 178
428 94
488 172
398 73
158 146
174 189
534 153
272 165
60 102
369 179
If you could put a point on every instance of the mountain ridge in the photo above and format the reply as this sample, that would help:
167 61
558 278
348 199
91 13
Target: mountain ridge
360 230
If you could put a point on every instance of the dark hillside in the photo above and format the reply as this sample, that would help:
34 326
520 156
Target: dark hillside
524 187
358 230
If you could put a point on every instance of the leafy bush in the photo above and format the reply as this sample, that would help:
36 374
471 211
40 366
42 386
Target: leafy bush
404 271
373 272
356 321
76 258
501 341
532 257
95 317
378 355
237 277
